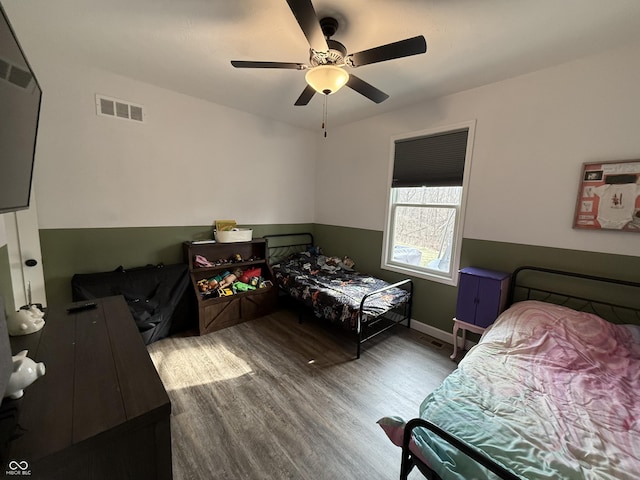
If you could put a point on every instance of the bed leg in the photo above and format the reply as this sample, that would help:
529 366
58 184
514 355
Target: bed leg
409 306
360 327
406 466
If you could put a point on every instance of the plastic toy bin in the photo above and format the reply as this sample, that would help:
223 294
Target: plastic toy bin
235 235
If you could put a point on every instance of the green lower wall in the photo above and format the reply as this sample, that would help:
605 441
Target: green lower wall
6 290
66 252
69 251
434 303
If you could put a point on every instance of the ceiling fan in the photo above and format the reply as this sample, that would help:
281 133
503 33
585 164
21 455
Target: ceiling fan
328 57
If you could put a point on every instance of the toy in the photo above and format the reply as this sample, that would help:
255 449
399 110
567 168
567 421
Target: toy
211 293
227 280
218 278
207 284
200 261
236 258
348 263
224 292
243 287
249 273
25 321
25 372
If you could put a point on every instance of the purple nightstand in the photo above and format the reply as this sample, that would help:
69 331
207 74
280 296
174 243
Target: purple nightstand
482 296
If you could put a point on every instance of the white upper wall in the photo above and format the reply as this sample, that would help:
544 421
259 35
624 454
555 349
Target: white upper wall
532 135
190 163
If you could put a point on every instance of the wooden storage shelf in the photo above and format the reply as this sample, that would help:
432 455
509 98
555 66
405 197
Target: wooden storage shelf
226 266
215 313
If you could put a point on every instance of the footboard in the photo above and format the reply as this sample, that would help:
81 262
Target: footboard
372 327
409 459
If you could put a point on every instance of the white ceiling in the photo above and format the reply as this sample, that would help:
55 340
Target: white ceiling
187 45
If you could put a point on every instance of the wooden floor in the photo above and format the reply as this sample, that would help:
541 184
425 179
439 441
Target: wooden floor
275 399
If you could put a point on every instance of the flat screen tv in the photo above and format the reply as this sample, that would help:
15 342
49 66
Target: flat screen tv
20 96
6 362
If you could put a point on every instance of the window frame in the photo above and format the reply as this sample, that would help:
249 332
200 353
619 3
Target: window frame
386 260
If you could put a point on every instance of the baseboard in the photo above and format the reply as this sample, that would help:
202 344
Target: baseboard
438 334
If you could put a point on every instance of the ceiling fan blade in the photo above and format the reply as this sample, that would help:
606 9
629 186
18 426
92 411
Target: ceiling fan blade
308 20
305 96
243 64
366 89
403 48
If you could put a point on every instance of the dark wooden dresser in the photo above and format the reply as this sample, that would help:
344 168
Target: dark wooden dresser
100 411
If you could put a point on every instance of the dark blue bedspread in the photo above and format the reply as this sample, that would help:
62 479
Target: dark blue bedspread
333 290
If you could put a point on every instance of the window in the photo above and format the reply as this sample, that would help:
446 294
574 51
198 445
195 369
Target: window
427 194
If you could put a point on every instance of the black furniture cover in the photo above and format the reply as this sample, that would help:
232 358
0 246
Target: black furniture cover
154 294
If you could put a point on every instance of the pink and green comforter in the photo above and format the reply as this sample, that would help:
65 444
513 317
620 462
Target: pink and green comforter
549 393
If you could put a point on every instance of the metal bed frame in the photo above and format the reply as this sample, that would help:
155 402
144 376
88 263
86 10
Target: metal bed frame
365 330
523 286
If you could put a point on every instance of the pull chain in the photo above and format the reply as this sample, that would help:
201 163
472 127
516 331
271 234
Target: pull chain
324 116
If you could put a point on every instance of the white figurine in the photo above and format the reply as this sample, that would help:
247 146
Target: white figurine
25 372
24 321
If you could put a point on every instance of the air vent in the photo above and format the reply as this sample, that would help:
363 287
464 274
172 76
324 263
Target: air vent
115 108
19 77
14 74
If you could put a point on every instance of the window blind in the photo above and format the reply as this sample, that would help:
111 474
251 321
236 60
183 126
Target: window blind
433 161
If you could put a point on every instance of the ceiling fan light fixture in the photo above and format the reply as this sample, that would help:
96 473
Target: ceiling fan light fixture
327 79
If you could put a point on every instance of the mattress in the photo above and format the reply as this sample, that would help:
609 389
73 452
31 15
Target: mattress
548 393
333 290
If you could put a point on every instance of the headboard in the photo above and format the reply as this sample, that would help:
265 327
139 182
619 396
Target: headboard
615 300
281 245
